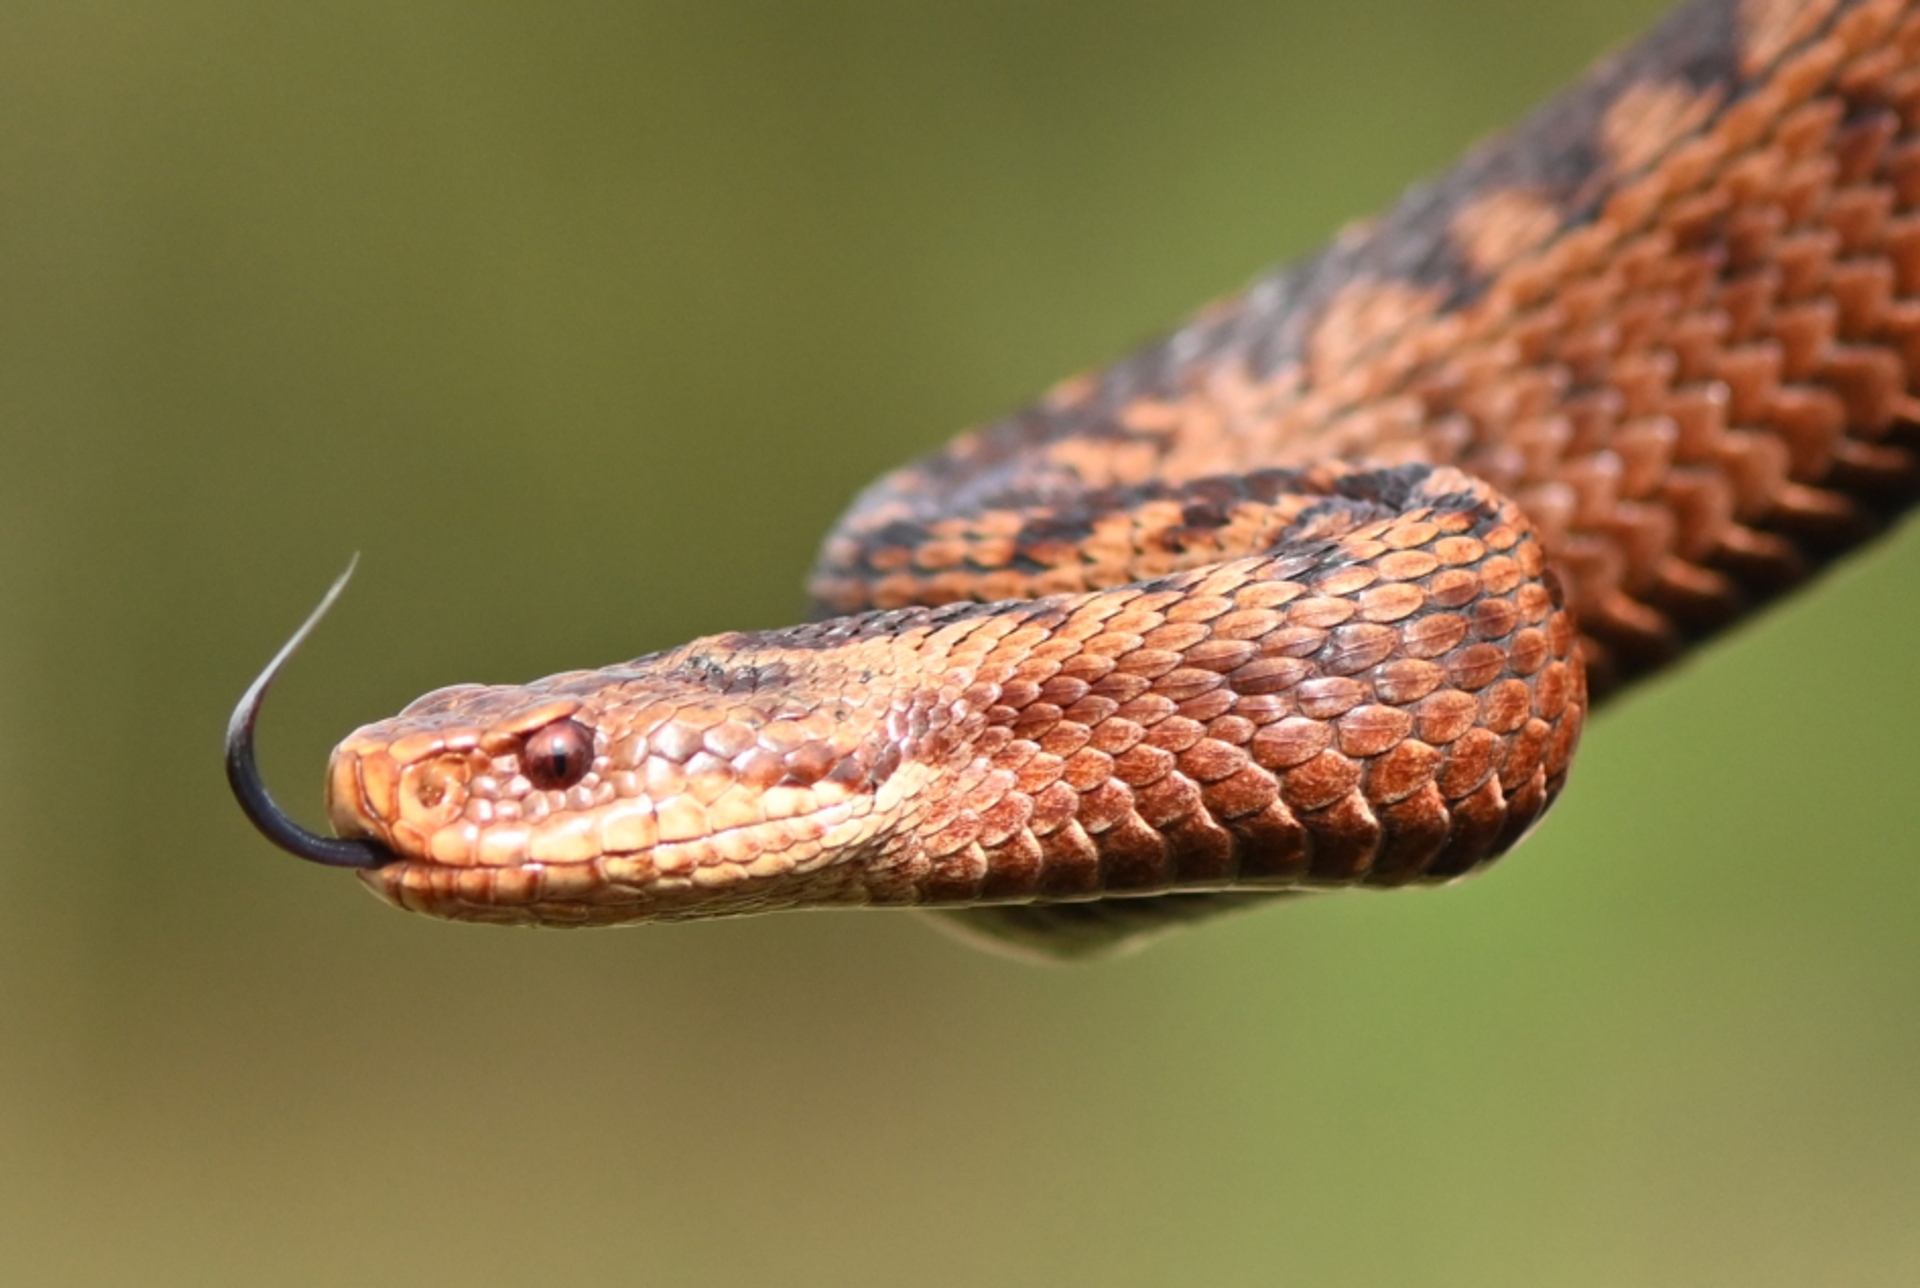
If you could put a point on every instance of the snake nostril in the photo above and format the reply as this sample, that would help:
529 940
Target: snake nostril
430 790
433 791
558 755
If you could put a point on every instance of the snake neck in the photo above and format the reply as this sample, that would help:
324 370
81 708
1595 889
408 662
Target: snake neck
1390 694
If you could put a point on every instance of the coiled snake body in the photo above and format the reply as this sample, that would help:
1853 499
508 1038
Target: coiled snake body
1313 593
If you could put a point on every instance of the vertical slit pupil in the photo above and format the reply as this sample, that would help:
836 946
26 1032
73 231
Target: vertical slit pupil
558 755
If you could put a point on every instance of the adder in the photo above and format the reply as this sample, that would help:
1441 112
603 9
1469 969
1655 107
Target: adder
1313 593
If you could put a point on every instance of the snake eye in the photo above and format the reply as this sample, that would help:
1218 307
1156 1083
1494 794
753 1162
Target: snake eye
558 755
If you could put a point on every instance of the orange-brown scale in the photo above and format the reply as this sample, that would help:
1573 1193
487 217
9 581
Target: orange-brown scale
1697 379
1388 695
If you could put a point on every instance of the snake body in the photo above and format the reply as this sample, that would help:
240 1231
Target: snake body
1313 593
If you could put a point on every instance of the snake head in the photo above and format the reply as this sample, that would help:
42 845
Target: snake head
729 776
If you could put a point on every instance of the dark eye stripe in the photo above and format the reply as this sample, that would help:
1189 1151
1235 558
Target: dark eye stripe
557 756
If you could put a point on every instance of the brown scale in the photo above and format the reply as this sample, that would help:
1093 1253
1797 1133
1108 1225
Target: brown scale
1298 622
1699 390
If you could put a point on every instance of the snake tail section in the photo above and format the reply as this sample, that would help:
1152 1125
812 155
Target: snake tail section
1074 932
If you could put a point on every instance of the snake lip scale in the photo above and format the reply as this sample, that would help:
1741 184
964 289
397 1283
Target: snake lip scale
1314 593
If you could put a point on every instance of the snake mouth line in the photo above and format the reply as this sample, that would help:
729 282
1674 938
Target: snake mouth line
679 857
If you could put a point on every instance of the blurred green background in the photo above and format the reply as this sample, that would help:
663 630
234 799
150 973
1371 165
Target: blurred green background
582 321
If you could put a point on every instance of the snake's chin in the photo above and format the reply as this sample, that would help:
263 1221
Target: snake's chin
504 896
611 890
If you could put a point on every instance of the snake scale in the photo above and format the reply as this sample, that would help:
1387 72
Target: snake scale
1313 593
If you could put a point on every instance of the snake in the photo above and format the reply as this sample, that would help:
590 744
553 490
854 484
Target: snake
1315 592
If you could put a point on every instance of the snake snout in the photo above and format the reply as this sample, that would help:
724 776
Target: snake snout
421 808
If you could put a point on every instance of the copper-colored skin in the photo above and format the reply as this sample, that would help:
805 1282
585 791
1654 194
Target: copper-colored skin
1310 568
